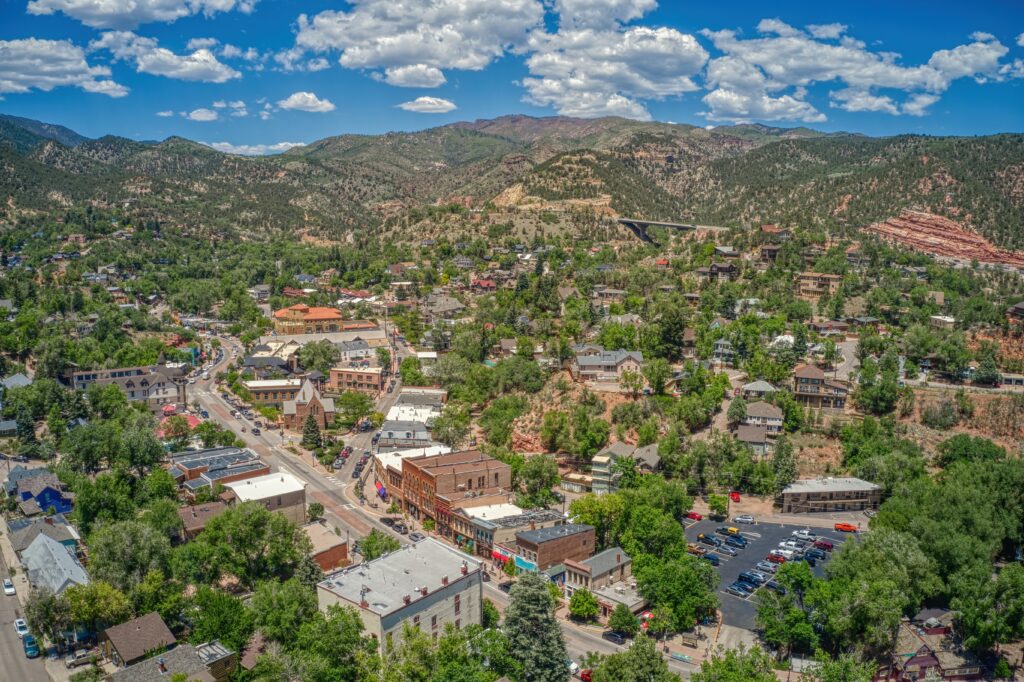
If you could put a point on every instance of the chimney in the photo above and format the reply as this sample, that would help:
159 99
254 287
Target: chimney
365 604
423 590
49 520
444 580
465 568
618 558
162 665
406 599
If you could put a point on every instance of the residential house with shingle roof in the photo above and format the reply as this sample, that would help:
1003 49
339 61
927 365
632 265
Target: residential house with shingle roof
766 415
48 564
139 638
606 365
22 532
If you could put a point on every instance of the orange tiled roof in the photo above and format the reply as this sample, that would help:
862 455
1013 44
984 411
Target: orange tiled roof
310 313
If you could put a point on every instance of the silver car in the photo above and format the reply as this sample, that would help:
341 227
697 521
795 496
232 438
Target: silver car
744 518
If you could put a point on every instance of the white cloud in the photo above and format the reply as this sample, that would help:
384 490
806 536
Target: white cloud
238 109
202 115
1020 40
250 54
252 149
149 57
306 101
444 34
31 63
600 13
428 105
219 104
127 14
414 76
201 43
165 114
827 31
764 76
606 72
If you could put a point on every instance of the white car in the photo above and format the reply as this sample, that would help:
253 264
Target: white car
789 544
9 587
21 627
573 666
745 518
803 534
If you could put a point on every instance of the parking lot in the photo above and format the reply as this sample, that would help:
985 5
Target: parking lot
761 539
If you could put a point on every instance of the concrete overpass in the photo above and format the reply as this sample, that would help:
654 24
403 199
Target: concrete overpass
639 227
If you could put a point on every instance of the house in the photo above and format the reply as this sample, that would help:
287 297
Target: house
1015 313
363 379
942 322
722 351
272 392
608 575
306 402
387 469
22 532
603 476
767 254
928 649
135 640
156 385
811 388
195 517
18 380
51 565
775 233
689 342
209 662
547 547
605 365
356 349
427 584
756 438
727 252
432 486
827 495
279 492
718 272
757 389
764 414
628 319
330 550
441 309
483 285
829 328
303 319
40 493
403 435
261 293
815 284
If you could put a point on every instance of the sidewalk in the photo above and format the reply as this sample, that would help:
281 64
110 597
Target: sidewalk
20 579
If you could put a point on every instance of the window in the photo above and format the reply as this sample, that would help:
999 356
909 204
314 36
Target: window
458 624
433 621
416 621
458 605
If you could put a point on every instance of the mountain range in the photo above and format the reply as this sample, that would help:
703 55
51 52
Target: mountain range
740 175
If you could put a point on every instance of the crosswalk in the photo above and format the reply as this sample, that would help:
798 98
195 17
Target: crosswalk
335 482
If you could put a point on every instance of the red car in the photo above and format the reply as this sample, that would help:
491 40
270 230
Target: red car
695 516
823 544
585 675
776 559
734 496
846 528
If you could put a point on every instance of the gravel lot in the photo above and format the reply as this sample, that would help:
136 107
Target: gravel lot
762 538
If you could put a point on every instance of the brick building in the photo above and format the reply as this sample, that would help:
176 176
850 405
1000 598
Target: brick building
432 486
272 392
308 401
828 495
303 319
363 379
547 547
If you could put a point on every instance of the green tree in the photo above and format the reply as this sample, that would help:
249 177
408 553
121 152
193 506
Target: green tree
631 382
48 614
280 609
736 665
783 463
490 614
845 668
583 604
534 637
963 447
319 356
376 544
332 643
737 411
657 372
315 511
623 621
122 553
97 605
538 475
353 406
684 587
311 438
384 357
641 662
216 615
451 427
718 505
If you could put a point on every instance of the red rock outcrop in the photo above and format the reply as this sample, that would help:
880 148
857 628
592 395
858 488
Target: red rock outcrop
939 236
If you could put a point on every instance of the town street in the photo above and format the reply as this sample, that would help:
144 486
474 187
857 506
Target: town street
15 665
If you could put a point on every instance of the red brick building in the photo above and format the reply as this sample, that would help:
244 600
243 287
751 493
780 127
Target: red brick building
308 401
432 486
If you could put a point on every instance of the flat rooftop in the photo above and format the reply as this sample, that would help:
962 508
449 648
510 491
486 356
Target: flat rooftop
385 582
273 383
821 485
492 512
553 532
262 487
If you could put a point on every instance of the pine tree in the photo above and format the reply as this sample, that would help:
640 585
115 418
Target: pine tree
535 640
311 433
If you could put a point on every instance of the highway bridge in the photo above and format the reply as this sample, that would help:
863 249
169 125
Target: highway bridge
639 227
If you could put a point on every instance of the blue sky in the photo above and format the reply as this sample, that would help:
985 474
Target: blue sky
257 75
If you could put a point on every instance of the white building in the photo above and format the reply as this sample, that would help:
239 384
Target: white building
427 585
280 492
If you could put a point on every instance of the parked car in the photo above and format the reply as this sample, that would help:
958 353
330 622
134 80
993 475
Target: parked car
709 540
803 534
786 554
21 627
824 545
726 550
753 577
31 646
789 544
9 587
573 666
77 658
743 518
734 496
846 528
736 541
695 549
766 566
811 561
614 637
775 558
694 516
416 537
338 463
776 587
401 528
712 557
355 473
815 553
763 577
388 521
738 591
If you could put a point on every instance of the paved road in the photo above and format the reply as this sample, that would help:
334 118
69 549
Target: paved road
12 656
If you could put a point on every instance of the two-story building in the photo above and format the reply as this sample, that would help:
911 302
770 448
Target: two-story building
605 365
816 284
425 585
764 414
813 389
827 495
362 379
303 319
608 575
272 392
718 272
156 386
547 547
432 486
278 492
